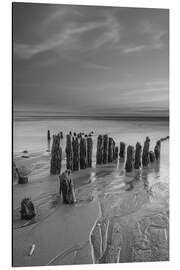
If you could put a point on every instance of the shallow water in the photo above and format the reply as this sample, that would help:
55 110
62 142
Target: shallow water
116 210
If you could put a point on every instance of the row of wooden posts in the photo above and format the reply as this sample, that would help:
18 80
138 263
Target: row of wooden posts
79 152
79 156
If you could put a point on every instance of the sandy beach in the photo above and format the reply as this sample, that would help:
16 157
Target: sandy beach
118 217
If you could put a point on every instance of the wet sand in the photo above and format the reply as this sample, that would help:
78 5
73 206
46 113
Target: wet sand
117 217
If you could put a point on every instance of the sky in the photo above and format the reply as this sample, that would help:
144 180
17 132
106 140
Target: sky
89 60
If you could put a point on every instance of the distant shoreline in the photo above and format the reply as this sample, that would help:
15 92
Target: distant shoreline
77 117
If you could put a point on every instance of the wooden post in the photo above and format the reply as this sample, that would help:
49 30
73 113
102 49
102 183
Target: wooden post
48 140
89 151
105 149
83 153
110 150
122 150
56 155
99 153
145 155
113 150
116 153
68 152
151 156
75 154
61 135
157 152
129 158
137 163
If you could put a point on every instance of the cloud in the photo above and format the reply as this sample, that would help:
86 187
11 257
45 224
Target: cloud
62 39
69 36
96 66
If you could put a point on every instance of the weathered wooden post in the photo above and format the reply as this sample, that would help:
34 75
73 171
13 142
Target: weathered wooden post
113 150
145 155
61 135
137 163
75 154
157 152
27 209
151 156
129 158
122 150
116 153
68 151
159 144
105 149
89 151
48 140
83 153
110 150
99 153
56 155
66 188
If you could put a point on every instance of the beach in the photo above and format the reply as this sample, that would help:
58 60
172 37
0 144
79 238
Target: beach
117 217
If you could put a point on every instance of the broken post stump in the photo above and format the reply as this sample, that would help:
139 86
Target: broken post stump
105 149
138 151
27 209
83 153
99 153
21 174
145 155
15 172
122 150
75 154
151 156
68 151
22 179
110 150
66 188
89 151
129 158
56 155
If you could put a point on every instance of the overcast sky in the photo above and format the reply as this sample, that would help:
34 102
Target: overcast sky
90 60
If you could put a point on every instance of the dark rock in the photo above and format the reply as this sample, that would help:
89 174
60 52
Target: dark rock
27 209
66 188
